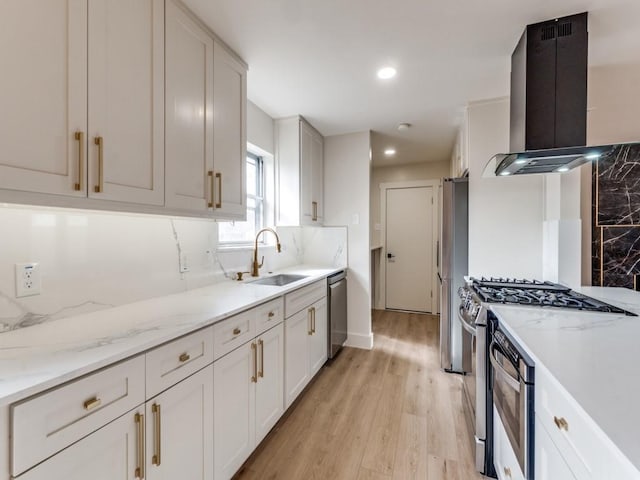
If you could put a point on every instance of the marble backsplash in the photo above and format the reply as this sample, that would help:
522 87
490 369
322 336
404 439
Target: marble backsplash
95 260
616 218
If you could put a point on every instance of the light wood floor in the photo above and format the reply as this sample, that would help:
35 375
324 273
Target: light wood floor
384 414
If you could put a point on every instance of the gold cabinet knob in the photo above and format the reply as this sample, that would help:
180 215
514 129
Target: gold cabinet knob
271 314
184 357
92 403
236 331
561 423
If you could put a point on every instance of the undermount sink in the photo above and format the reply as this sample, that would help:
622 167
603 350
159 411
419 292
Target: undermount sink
279 280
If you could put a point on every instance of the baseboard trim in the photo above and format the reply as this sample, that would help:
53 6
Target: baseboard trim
358 340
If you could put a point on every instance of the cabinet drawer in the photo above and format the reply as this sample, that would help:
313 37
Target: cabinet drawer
173 362
269 315
576 439
44 424
303 297
504 458
233 332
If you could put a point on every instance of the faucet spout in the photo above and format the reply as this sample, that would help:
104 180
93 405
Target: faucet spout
255 266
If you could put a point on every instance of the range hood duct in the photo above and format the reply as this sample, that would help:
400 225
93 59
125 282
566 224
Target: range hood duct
548 130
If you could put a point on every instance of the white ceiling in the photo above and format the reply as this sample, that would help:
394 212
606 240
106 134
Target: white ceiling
319 59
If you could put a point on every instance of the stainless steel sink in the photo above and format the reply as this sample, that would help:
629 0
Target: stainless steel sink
279 280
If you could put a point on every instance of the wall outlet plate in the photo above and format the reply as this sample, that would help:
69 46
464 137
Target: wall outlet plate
28 279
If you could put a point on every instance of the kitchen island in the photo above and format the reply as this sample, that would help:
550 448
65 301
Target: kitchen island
587 361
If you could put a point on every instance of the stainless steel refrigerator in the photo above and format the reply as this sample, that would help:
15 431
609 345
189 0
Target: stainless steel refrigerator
453 265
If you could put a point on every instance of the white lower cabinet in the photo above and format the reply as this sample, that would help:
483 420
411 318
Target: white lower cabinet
504 458
179 433
110 453
247 399
305 347
549 462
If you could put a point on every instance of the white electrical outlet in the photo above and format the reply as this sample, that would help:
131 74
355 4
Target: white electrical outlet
28 279
184 262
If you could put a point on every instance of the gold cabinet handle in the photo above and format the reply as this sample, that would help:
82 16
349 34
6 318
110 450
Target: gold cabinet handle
507 472
184 357
237 331
314 209
92 403
140 460
261 371
561 423
210 175
99 141
219 177
271 315
157 444
254 377
79 136
313 319
309 317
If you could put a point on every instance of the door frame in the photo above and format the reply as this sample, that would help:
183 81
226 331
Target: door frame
384 187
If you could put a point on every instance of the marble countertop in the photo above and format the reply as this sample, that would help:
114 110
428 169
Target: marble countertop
592 355
36 358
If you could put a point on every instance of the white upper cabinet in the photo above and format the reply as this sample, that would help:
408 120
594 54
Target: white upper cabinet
299 173
189 112
43 95
126 101
229 135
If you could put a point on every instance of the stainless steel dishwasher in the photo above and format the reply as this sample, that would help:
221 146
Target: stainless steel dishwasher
337 296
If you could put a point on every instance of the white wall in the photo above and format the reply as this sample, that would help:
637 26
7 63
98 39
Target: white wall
400 173
260 128
505 214
347 170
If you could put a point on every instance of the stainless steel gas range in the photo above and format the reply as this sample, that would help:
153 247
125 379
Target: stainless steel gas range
501 373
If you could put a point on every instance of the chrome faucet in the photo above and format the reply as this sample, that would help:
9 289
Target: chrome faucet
255 266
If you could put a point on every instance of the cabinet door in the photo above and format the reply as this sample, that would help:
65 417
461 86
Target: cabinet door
296 345
110 453
43 95
234 409
270 386
317 168
318 341
229 135
189 112
306 174
549 462
179 430
126 100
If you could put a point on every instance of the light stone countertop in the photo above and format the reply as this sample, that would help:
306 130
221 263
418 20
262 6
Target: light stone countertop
36 358
593 356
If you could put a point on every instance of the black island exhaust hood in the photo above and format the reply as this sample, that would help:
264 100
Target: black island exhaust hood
548 130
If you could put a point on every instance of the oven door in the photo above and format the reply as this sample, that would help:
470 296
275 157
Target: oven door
511 399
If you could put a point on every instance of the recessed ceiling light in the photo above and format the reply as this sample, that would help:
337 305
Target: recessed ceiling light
390 151
404 126
386 73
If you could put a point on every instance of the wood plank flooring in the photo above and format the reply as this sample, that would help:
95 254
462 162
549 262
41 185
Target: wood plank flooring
385 414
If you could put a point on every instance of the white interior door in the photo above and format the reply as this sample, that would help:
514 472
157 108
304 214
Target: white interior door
409 248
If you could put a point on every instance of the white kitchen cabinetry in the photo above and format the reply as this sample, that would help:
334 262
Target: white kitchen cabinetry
549 463
115 452
247 399
460 156
229 135
299 172
586 451
504 458
305 338
179 430
87 118
189 112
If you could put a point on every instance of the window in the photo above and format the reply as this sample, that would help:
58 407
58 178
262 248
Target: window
245 232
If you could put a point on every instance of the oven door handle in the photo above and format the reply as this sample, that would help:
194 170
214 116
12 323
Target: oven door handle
466 325
514 383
